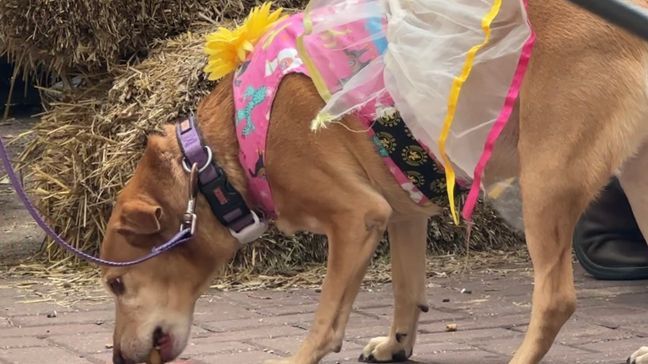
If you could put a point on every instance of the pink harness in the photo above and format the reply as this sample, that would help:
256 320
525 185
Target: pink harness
257 80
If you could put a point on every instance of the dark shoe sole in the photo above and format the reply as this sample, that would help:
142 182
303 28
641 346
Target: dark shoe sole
610 273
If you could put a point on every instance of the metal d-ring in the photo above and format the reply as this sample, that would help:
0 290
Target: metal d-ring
187 168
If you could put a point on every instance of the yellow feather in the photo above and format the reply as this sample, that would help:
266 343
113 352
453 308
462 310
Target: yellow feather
321 121
240 53
248 46
227 49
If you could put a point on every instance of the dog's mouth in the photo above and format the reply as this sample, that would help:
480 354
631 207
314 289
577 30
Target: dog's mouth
162 350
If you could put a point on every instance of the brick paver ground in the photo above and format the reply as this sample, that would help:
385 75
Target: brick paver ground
247 327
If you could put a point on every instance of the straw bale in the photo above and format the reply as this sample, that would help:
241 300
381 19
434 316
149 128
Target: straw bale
87 143
74 35
85 149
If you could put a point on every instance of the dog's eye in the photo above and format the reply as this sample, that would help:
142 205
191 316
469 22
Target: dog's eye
117 286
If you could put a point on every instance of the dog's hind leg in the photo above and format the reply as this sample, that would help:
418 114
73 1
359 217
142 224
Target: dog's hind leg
558 181
634 180
549 217
575 131
407 243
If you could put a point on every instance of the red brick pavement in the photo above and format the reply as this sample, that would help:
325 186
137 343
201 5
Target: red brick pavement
248 327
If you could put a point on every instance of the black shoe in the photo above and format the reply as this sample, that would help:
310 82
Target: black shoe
607 239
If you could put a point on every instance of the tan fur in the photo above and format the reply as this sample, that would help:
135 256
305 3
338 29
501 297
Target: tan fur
582 113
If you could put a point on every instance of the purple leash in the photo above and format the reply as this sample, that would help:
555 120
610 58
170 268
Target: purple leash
185 234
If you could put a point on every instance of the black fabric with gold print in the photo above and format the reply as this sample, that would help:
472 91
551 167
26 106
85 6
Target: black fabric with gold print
394 139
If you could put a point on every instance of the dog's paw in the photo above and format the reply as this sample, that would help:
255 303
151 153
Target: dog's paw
385 350
639 357
278 361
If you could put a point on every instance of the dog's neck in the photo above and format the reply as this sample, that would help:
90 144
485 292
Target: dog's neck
216 122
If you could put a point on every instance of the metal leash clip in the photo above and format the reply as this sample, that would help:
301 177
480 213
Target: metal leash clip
189 217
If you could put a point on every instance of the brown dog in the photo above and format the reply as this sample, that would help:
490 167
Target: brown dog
582 113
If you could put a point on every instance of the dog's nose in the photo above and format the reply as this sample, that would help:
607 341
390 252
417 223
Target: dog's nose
118 357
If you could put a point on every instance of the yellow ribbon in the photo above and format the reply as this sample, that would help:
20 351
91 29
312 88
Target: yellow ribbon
457 84
314 73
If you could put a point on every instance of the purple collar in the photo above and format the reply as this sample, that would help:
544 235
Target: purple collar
225 201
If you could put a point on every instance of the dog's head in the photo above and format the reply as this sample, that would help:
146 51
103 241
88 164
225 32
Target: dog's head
155 299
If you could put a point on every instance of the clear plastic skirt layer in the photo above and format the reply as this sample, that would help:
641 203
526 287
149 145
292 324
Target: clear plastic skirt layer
452 69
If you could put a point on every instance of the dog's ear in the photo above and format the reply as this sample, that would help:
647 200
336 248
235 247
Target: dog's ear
139 217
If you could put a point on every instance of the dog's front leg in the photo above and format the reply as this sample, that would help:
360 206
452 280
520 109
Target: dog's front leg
353 237
407 243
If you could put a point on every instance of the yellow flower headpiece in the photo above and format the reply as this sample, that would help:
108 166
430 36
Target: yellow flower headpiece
228 48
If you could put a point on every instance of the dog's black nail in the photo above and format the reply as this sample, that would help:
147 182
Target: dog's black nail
337 349
361 358
400 336
399 356
424 308
371 359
